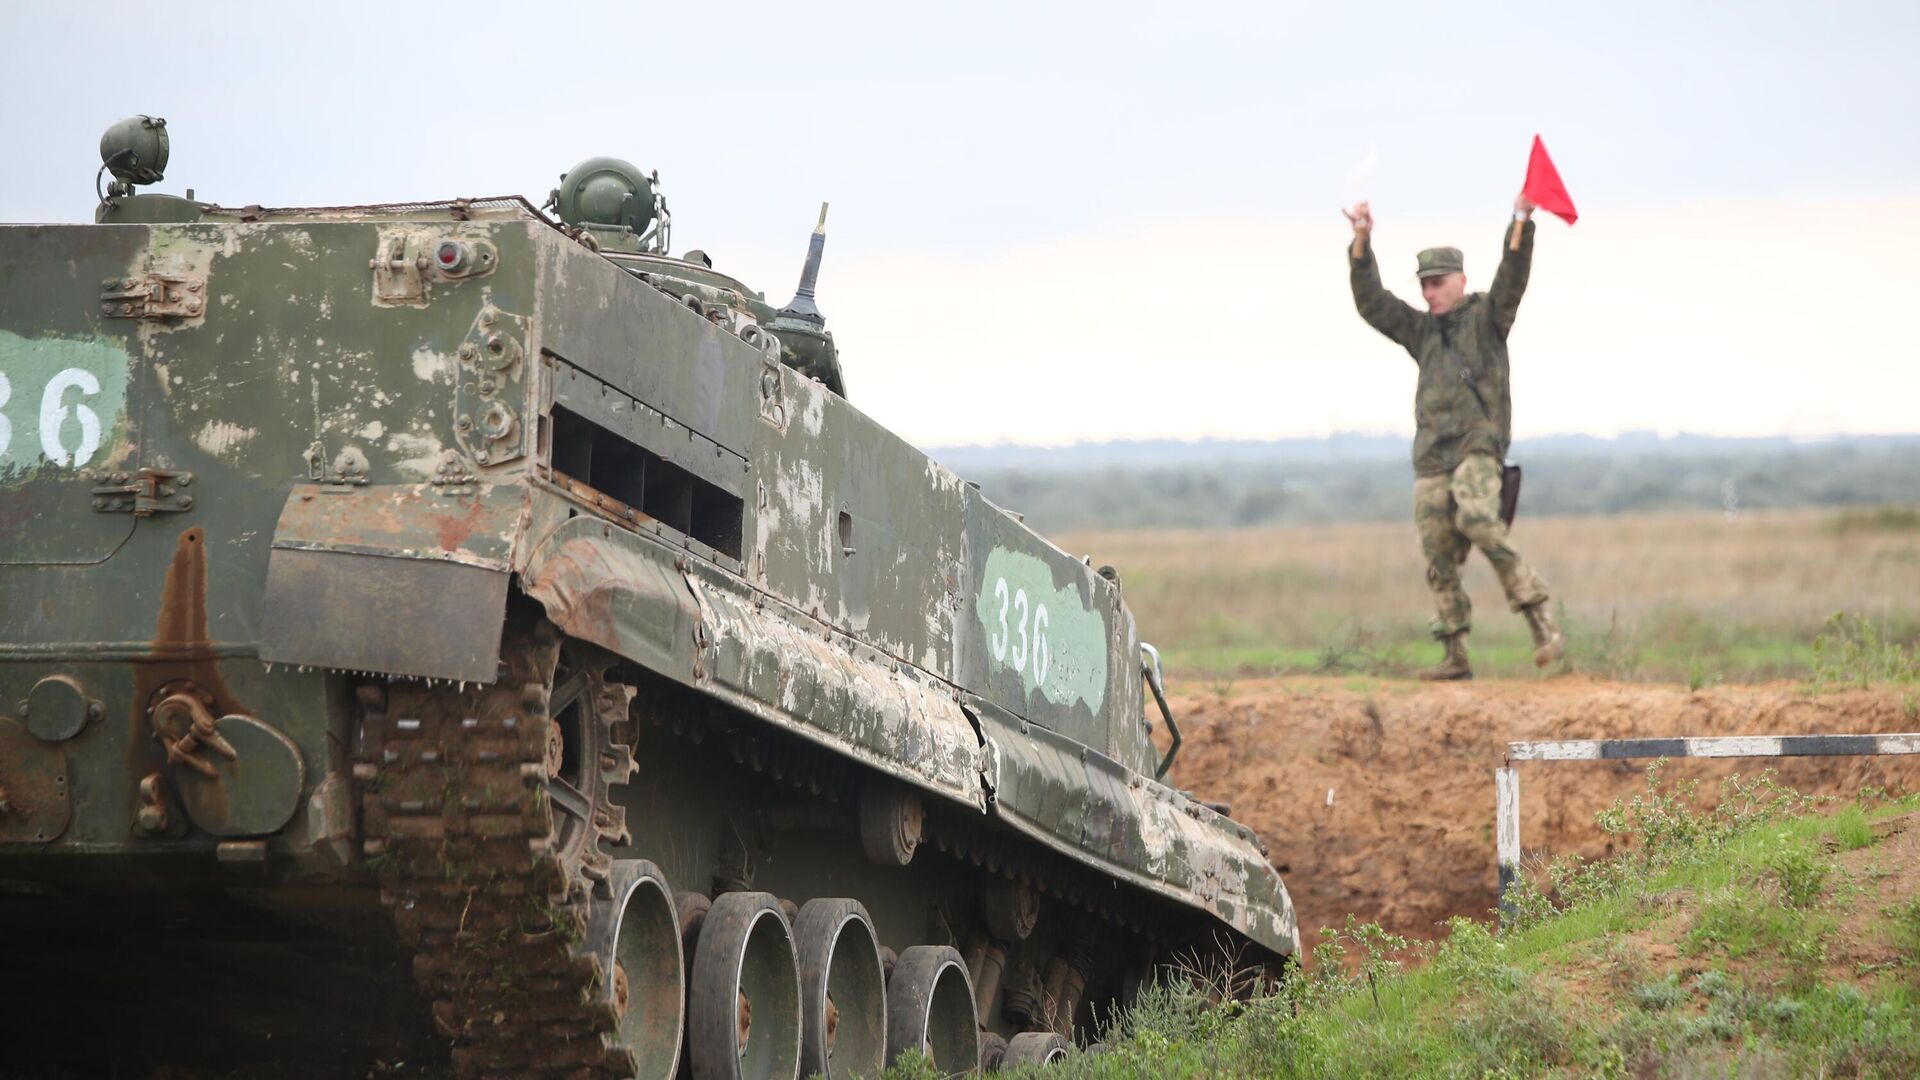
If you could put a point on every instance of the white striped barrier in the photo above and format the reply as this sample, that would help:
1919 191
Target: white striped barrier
1506 782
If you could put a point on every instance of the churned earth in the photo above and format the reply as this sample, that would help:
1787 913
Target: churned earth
1376 797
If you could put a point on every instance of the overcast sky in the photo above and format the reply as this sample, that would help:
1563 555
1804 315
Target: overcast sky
1056 223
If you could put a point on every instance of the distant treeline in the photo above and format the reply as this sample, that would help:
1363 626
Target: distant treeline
1307 482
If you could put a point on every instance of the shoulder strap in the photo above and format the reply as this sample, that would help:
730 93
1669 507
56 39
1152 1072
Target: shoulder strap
1466 373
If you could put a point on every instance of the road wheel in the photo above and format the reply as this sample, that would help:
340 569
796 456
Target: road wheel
636 938
1036 1048
744 1004
993 1051
843 990
930 1009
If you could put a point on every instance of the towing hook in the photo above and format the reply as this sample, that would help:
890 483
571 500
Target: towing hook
186 711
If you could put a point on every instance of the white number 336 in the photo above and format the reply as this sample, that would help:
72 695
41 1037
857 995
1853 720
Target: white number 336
1025 637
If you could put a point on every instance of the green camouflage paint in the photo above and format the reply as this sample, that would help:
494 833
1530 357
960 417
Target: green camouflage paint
354 510
1048 636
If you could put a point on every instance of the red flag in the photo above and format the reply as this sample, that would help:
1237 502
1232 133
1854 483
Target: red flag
1543 187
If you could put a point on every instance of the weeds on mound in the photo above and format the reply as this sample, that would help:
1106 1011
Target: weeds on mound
1749 892
1659 829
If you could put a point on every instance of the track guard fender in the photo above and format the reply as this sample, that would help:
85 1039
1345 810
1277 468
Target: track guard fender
400 579
617 594
641 599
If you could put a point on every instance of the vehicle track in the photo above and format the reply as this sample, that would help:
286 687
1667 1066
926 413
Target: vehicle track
487 854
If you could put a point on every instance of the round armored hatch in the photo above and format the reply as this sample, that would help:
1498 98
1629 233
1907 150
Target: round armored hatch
252 793
58 707
36 803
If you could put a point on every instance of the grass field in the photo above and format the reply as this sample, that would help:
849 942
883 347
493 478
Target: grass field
1697 598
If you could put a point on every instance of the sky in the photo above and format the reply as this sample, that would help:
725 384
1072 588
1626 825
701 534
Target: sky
1060 223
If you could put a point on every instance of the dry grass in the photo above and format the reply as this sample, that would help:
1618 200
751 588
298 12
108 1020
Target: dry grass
1697 597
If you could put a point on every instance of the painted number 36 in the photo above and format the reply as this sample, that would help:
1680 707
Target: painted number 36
54 411
1028 637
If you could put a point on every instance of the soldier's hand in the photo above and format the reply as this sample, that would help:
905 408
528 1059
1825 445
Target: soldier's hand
1522 207
1362 218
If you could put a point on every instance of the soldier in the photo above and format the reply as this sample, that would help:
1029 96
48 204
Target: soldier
1463 415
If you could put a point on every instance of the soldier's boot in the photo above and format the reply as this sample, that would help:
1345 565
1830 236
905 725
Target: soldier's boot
1549 644
1454 665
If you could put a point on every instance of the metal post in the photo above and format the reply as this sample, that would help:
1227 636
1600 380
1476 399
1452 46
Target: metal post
1506 831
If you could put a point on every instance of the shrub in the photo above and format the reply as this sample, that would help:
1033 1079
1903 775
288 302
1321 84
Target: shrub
1659 996
1661 829
1377 948
1472 956
1516 1035
1800 876
1851 650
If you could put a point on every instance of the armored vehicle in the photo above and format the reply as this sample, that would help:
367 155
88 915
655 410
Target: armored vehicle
444 626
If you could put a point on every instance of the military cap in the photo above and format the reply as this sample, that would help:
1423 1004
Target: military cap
1441 260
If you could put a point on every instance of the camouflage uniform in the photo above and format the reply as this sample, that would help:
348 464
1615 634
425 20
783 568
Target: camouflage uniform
1463 411
1453 512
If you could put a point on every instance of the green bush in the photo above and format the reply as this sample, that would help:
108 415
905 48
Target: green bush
1473 956
1660 996
1513 1034
1660 830
1799 874
1852 650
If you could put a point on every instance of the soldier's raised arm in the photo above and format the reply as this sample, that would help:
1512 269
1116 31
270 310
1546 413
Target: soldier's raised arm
1383 311
1516 262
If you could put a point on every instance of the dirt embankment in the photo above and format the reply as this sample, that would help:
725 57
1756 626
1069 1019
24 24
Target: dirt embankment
1377 799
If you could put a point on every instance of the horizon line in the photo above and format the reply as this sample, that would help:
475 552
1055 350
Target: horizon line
1638 435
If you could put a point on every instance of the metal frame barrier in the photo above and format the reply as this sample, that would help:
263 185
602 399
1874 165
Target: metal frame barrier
1506 781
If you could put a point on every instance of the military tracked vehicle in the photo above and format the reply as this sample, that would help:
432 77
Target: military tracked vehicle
442 628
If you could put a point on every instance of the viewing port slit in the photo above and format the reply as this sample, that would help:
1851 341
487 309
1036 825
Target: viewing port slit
637 477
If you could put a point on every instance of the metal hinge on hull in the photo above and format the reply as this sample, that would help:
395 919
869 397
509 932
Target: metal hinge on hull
150 492
154 296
